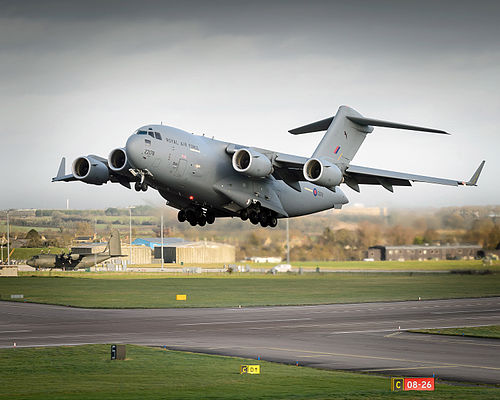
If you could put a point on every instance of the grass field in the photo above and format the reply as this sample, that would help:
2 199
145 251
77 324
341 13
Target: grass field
440 265
86 372
223 290
492 331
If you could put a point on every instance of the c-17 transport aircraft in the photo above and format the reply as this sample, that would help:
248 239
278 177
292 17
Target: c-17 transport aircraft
74 261
206 178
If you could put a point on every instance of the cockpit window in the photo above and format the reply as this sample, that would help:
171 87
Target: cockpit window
157 135
141 132
151 134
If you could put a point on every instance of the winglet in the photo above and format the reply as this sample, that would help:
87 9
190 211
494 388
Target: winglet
62 168
475 177
61 173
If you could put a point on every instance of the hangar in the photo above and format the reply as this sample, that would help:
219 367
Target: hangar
196 253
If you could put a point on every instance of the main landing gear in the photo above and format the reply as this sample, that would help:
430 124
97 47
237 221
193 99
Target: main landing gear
196 216
257 214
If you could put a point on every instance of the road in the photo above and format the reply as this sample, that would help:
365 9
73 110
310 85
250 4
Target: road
369 337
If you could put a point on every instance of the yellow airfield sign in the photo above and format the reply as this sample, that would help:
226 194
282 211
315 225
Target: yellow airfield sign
249 369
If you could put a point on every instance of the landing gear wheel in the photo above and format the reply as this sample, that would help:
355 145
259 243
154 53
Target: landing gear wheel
264 223
263 217
144 186
273 221
138 186
202 221
193 222
254 218
190 216
244 215
181 216
198 212
210 218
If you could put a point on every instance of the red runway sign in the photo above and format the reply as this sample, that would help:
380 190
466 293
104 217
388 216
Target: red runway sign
412 384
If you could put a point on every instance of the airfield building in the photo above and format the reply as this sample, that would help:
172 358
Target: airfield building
421 253
196 253
180 251
175 250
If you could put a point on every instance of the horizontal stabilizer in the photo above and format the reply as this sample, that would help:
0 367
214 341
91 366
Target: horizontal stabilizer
314 127
325 123
386 124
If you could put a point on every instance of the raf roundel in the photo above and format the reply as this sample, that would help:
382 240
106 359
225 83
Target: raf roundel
315 192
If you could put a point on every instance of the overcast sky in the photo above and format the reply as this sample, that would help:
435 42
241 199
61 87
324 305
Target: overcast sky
79 77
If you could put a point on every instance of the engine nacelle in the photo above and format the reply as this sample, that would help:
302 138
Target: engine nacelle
118 160
322 173
90 170
252 163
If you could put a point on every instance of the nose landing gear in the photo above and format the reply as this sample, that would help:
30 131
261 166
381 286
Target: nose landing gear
141 175
141 186
196 216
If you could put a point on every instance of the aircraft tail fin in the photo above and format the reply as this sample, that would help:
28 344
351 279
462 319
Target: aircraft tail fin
114 244
346 131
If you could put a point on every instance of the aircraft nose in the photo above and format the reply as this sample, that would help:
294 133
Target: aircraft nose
134 149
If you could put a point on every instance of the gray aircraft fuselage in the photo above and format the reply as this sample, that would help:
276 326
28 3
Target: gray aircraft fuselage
188 168
66 262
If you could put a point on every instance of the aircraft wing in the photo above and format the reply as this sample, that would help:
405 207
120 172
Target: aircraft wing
289 167
356 175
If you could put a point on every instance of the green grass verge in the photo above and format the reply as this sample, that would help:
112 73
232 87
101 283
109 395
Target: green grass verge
21 228
225 290
440 265
492 331
86 372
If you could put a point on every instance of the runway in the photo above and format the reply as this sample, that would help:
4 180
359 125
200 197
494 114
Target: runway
369 337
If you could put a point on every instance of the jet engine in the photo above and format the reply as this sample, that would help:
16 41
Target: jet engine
90 170
252 163
118 160
322 172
